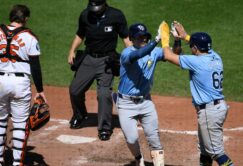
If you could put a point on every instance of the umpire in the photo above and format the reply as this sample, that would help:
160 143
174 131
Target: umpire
99 25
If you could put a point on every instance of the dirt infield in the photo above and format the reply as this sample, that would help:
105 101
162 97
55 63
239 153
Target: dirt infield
57 145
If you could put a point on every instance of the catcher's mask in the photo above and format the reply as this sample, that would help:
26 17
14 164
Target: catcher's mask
137 30
201 40
96 6
39 114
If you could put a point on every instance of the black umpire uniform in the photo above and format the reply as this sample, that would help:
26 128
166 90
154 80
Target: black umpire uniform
100 30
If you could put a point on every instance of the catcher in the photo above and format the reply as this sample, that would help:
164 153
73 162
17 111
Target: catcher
19 59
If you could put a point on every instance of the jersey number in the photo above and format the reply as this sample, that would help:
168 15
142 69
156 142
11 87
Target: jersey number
217 80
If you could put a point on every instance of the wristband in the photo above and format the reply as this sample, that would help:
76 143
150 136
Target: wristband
187 38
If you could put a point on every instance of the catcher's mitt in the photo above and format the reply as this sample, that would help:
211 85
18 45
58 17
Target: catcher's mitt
39 114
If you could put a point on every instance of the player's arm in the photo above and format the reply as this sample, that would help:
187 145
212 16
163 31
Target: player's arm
141 52
35 69
75 44
170 56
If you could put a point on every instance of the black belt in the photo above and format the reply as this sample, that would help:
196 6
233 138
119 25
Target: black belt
97 54
16 74
203 106
135 99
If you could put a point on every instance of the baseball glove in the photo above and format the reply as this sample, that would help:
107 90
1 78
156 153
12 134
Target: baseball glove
39 114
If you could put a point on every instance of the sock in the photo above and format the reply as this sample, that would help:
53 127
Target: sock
224 160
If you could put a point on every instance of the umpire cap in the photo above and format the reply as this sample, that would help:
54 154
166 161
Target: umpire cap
202 40
138 29
96 5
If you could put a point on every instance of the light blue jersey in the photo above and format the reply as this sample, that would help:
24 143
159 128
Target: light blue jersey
206 76
136 78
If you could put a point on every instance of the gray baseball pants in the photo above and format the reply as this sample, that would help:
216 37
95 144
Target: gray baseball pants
210 129
129 115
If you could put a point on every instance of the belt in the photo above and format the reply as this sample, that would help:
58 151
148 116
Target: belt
203 106
135 99
98 55
16 74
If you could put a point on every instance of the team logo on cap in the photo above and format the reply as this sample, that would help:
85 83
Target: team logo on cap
142 28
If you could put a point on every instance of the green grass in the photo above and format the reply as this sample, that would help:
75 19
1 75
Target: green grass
55 22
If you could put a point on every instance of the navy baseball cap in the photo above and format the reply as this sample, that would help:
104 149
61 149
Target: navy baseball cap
96 5
137 30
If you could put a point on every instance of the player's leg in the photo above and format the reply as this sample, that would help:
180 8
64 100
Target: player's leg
81 82
211 122
104 79
20 110
149 121
4 113
128 115
3 127
205 159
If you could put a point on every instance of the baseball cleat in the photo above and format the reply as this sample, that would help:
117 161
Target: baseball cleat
76 123
104 135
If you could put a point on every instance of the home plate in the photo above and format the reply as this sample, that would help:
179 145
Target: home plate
70 139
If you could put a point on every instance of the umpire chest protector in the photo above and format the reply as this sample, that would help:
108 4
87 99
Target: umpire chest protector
10 34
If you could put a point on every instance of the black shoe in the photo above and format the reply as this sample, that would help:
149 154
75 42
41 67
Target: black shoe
77 123
104 135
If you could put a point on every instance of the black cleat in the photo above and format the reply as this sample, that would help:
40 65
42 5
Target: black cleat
77 123
104 135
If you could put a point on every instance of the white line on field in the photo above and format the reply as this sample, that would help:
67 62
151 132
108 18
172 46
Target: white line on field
192 132
61 121
71 139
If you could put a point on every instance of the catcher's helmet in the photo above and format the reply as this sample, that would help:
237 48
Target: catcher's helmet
202 40
138 29
96 5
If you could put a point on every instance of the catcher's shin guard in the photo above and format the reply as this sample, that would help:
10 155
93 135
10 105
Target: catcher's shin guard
158 157
3 128
20 137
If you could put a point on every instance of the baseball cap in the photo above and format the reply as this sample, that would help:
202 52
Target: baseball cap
137 30
96 5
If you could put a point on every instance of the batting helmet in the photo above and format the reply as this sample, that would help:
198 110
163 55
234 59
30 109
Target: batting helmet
96 5
138 29
202 40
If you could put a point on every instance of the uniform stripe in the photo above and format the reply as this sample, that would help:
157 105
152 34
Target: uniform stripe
16 148
18 139
3 126
21 129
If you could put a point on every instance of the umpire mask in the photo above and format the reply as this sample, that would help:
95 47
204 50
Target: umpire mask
96 6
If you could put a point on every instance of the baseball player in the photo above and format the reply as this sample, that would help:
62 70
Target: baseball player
19 58
206 77
134 102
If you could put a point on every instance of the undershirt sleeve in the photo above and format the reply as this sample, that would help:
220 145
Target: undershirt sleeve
36 72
